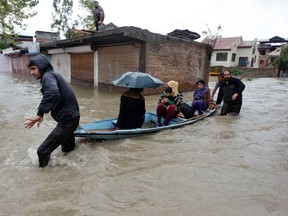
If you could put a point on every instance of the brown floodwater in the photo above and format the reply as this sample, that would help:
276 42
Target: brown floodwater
221 166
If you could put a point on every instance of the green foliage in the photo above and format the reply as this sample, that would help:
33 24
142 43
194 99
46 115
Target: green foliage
3 44
87 22
236 72
62 15
13 12
282 60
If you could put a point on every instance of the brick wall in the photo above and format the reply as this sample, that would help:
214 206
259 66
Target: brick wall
179 60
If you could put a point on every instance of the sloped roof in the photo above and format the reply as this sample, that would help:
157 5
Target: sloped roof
246 44
275 53
225 43
275 39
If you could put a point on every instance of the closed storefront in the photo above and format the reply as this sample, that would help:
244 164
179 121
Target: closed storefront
115 60
82 68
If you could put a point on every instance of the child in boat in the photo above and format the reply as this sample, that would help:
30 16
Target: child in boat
174 104
166 97
201 99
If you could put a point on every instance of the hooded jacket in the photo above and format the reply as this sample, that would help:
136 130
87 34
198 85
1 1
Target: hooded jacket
58 96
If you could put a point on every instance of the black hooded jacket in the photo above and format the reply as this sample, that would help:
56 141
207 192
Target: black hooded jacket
58 96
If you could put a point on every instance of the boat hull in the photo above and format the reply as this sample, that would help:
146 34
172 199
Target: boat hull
106 129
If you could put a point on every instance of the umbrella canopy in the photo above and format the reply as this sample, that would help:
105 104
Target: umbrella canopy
137 80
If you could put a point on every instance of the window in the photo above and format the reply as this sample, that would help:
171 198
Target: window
221 56
233 57
243 61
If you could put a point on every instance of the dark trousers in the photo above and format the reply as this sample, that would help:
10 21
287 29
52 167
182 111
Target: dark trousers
227 108
62 135
96 22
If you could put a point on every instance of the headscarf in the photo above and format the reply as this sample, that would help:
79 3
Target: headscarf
174 85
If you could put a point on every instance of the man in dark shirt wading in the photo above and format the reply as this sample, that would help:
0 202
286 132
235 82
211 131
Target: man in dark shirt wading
58 99
231 93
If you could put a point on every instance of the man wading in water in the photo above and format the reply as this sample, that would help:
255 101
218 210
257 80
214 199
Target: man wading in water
231 92
59 99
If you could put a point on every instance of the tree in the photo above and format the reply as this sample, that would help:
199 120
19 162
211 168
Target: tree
62 15
87 22
211 38
12 14
282 60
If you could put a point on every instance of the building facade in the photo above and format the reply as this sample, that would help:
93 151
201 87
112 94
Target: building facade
234 52
96 59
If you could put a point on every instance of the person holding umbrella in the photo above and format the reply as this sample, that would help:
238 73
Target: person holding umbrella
132 102
132 109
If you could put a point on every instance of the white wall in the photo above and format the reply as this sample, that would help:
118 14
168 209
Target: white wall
5 63
240 52
61 61
61 65
247 52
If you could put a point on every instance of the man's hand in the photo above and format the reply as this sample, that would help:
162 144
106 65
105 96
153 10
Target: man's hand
31 121
234 96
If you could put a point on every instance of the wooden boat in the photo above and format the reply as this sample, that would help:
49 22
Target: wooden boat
106 129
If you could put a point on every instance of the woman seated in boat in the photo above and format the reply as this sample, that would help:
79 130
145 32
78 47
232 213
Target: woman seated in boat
202 98
170 109
132 109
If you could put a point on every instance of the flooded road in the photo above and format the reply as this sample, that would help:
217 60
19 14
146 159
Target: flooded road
221 166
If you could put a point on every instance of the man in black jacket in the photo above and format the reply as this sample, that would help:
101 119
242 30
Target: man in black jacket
58 99
231 93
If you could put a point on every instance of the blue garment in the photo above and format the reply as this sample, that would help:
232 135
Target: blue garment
199 103
200 93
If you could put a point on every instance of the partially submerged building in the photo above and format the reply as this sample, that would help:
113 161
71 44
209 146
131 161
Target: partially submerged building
96 59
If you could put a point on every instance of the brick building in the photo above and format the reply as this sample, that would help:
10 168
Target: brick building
97 58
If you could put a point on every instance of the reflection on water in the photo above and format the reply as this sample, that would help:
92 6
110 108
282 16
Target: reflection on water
232 165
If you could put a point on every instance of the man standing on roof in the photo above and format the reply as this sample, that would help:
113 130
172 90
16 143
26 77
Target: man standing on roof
98 14
231 92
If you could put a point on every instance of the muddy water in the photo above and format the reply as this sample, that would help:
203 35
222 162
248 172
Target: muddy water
232 165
